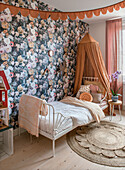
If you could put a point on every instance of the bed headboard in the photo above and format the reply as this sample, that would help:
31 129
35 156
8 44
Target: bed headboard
90 78
96 82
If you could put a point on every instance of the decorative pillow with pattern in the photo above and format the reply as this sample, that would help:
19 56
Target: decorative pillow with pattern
94 88
83 88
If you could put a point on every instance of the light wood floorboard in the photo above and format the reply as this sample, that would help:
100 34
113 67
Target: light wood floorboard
38 155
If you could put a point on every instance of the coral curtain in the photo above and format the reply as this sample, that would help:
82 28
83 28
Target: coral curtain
89 48
114 51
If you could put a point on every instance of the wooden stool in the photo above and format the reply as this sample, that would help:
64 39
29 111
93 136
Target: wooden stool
111 103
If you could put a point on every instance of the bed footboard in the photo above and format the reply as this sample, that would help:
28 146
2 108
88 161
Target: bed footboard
54 125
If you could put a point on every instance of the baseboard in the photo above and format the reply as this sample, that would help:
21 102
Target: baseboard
16 131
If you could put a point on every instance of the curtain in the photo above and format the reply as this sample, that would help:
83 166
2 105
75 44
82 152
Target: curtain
89 48
114 51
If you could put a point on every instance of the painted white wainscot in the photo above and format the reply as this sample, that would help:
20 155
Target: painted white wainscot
6 142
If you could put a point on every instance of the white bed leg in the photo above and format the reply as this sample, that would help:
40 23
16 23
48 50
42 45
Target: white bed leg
19 131
53 148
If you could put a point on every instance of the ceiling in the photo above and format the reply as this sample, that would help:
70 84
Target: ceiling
83 5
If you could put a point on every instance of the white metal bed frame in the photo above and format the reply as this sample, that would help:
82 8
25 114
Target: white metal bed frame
56 125
60 120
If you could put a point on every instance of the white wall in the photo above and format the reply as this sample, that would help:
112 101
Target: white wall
98 32
80 5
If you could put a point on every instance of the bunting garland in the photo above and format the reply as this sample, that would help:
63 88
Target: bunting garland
62 15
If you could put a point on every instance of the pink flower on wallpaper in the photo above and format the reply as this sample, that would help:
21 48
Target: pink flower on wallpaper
11 74
2 18
33 38
36 60
36 34
54 94
8 48
11 43
11 105
28 66
29 39
1 50
36 86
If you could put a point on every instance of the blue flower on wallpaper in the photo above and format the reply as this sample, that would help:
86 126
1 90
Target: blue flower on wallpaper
24 46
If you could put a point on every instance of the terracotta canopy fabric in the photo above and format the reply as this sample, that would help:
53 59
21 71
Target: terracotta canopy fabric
62 15
88 49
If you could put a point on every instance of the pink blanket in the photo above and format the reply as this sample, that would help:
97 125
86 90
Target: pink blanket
29 109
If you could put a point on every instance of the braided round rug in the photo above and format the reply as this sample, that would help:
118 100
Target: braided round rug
102 143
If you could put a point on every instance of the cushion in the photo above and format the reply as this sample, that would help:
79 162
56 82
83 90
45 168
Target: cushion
97 83
83 88
86 96
44 109
94 88
96 97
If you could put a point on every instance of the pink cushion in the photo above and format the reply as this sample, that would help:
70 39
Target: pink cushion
94 88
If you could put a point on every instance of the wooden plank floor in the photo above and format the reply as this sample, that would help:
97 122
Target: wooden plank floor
37 156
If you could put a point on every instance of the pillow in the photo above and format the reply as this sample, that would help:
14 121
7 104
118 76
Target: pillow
97 83
96 97
44 109
83 88
94 88
86 96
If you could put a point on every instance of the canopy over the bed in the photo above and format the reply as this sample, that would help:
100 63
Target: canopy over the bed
90 63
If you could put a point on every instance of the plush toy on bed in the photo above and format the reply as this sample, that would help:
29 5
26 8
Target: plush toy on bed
86 96
44 109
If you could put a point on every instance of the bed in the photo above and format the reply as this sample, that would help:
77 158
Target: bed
62 117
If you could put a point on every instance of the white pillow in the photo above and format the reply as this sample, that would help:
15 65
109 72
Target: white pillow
97 97
83 88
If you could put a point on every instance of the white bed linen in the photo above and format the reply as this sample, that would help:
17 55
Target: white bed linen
79 115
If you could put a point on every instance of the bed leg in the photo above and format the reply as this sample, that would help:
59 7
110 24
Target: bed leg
53 148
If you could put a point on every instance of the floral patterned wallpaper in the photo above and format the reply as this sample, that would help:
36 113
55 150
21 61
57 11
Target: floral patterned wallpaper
24 46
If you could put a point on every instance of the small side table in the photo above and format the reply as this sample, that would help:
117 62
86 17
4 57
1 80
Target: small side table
111 103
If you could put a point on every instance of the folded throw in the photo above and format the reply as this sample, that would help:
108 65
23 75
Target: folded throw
94 109
29 109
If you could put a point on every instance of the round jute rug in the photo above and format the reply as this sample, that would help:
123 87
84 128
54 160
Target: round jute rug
102 143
